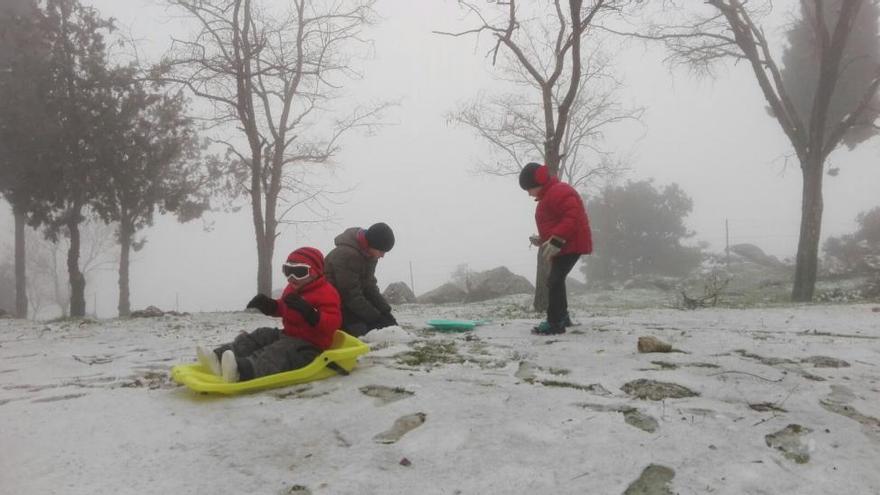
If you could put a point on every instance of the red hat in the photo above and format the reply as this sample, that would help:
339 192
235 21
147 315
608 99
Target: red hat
309 256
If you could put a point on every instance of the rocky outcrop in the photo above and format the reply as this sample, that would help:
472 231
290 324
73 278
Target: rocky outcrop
481 286
575 286
753 253
399 293
496 282
154 312
446 293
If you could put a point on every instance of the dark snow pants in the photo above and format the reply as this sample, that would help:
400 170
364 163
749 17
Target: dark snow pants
356 327
267 351
557 306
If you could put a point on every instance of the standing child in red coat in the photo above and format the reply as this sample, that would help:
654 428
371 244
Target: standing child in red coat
563 235
310 310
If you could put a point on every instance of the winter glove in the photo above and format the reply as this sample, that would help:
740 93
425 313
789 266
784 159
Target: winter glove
264 304
387 320
295 302
535 240
552 247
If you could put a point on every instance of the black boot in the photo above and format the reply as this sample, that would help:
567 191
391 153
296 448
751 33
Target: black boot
546 328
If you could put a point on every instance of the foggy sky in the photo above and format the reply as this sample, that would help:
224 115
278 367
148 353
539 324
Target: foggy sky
712 137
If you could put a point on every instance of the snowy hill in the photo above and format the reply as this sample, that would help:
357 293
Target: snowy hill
760 401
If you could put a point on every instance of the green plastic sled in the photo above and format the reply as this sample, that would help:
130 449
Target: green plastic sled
455 325
341 358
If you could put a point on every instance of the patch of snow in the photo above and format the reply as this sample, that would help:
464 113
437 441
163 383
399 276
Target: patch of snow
88 407
392 334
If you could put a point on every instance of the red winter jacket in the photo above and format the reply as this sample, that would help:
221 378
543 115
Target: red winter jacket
560 212
320 294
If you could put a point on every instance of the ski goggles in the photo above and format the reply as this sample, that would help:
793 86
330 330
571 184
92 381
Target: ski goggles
296 271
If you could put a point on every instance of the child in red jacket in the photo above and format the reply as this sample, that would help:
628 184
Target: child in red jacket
563 236
310 311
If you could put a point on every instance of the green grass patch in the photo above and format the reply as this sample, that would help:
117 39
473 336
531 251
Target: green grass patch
431 352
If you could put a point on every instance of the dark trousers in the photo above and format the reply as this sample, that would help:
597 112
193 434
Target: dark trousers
267 351
357 327
557 306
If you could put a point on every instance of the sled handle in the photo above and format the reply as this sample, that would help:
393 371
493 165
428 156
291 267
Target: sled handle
339 369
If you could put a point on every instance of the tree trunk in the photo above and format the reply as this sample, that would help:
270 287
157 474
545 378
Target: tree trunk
270 225
265 250
264 258
811 226
77 279
21 301
542 296
552 159
60 296
125 233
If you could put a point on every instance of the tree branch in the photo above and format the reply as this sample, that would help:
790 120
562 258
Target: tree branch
852 119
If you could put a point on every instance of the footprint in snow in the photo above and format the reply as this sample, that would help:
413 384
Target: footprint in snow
401 427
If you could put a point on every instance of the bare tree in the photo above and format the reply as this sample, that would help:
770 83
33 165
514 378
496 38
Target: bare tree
512 124
22 56
831 99
569 99
272 74
46 262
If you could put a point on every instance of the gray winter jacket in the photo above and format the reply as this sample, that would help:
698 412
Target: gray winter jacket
353 273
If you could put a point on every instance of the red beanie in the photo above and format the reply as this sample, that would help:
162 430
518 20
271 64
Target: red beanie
309 256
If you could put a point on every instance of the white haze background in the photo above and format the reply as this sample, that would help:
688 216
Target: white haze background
712 137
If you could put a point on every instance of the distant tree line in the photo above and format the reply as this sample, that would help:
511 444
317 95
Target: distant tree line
639 229
857 253
823 91
82 138
85 139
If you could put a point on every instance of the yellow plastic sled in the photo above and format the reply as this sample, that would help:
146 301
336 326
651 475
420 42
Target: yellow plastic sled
341 358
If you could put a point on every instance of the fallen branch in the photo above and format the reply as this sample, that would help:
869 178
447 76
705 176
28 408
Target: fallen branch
789 395
766 419
712 288
747 373
90 360
580 475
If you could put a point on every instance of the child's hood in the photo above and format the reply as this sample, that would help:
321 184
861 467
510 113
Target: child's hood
310 256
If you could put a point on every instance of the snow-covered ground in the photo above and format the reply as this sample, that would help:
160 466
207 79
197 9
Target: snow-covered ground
88 408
